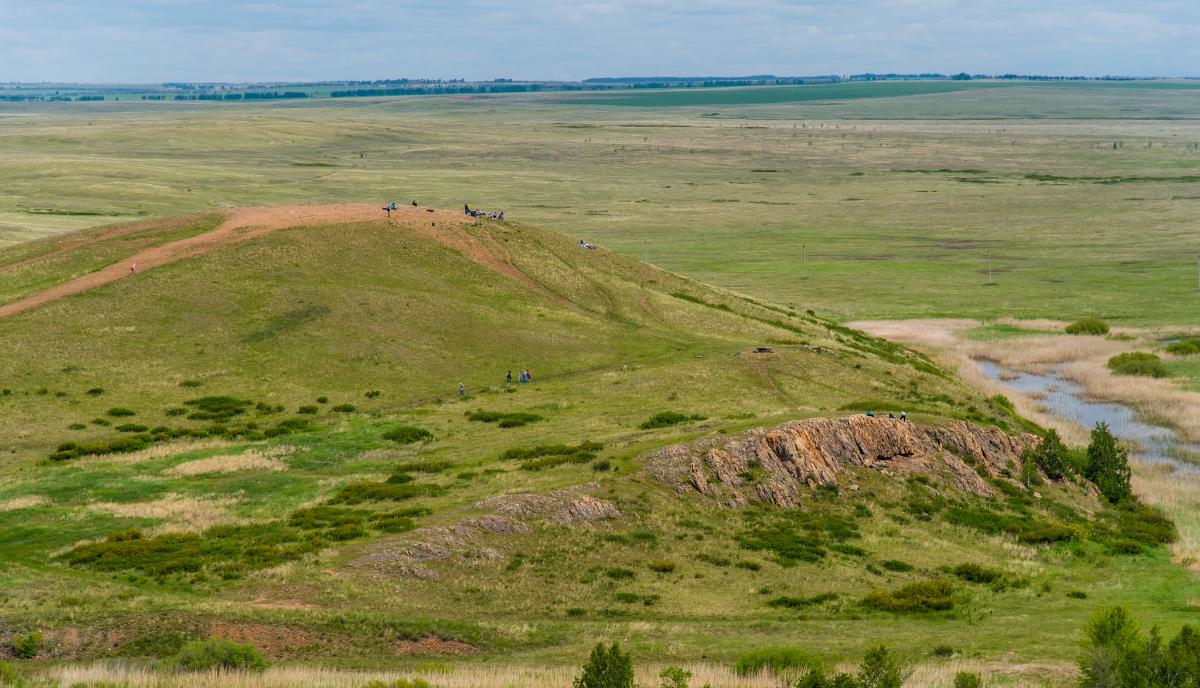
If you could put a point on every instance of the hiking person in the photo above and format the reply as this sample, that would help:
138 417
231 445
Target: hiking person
870 413
462 390
414 202
389 208
467 208
508 378
500 216
133 268
904 416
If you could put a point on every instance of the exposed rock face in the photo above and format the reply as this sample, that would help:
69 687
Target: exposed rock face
774 465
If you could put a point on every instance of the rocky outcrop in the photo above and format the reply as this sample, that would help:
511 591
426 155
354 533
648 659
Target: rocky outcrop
776 465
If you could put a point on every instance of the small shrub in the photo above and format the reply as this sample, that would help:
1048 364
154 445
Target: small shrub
27 646
1137 363
661 566
968 679
1088 326
95 391
425 466
749 565
307 409
667 419
1184 347
1050 456
175 411
898 566
974 573
576 611
787 602
922 596
372 394
619 573
102 422
601 465
77 426
343 408
322 400
674 677
943 651
119 412
777 660
408 434
879 670
606 668
191 383
219 654
1108 465
216 408
131 427
1077 595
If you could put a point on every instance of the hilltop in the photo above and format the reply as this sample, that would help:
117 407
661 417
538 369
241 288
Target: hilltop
258 435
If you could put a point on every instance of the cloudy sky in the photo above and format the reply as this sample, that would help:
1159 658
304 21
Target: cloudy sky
260 40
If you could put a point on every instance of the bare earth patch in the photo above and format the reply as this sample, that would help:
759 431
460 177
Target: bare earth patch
26 502
433 645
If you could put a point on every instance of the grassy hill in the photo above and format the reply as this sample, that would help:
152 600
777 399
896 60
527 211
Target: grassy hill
234 444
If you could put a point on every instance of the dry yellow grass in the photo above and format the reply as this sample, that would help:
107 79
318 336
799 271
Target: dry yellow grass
25 502
252 460
177 512
162 451
1178 494
937 675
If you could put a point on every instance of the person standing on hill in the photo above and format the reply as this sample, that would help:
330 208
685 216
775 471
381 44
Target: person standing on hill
508 378
462 390
132 268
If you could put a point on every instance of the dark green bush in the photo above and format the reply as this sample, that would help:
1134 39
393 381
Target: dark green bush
373 394
667 419
974 573
1088 325
307 409
795 536
777 660
879 670
219 654
95 391
619 573
191 383
368 491
606 668
216 407
1077 595
922 596
1050 456
102 422
504 420
407 434
77 426
425 466
28 645
322 400
343 408
601 465
894 565
1117 653
1137 363
175 411
119 412
131 427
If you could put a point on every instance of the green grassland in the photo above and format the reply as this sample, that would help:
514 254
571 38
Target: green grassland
887 204
382 318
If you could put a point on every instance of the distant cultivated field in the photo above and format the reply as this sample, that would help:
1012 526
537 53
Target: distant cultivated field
859 200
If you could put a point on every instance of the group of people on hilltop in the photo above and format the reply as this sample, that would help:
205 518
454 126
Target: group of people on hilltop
475 212
903 414
524 376
392 206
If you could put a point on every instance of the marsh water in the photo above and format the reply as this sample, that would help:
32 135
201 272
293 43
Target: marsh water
1065 399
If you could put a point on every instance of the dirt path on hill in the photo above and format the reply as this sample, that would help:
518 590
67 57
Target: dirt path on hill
80 242
249 223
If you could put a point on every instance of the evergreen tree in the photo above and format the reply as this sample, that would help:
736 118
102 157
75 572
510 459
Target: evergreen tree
606 668
1108 465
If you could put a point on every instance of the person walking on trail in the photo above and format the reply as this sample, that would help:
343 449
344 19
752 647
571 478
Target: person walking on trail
508 378
462 390
132 268
389 208
904 416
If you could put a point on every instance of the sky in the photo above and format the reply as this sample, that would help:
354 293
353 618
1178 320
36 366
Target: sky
150 41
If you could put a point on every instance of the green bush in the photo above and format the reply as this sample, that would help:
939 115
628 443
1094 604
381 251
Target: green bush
974 573
322 400
879 670
545 456
619 573
343 408
408 434
1108 465
1077 594
131 427
787 602
95 391
1050 456
667 419
219 654
425 466
777 660
1117 654
77 426
307 409
1088 325
606 668
816 678
28 645
216 408
372 394
1184 347
504 420
369 491
795 536
119 412
661 566
602 465
894 565
191 383
922 596
968 679
1137 363
674 677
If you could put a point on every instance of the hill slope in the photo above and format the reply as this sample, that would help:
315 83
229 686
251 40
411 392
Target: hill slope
233 443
